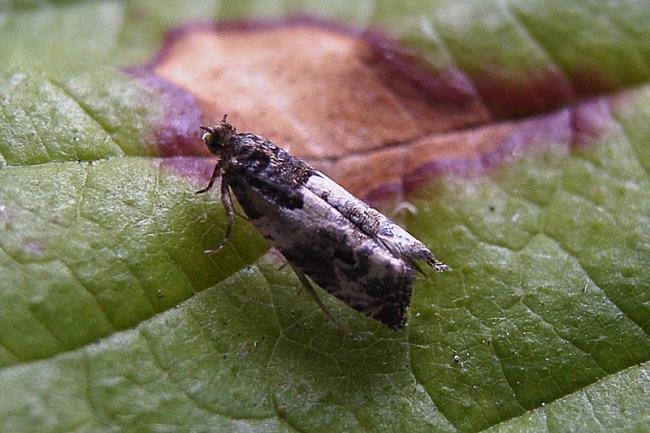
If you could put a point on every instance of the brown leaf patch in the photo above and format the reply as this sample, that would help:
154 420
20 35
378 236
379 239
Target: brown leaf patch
312 88
354 104
534 92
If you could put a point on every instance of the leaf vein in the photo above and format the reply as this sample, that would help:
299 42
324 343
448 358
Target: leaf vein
418 381
197 403
93 116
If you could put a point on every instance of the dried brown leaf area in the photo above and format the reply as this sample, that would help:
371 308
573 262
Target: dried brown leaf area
329 96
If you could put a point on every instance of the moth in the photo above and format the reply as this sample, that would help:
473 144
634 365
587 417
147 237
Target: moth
325 233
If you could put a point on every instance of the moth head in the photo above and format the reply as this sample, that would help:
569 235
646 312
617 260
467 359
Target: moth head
218 137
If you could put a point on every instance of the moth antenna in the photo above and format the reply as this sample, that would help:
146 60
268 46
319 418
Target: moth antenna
224 122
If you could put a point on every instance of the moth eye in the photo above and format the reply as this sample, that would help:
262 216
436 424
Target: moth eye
205 136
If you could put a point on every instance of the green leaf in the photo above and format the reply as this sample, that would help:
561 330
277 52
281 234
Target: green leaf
550 284
591 409
44 120
112 318
92 247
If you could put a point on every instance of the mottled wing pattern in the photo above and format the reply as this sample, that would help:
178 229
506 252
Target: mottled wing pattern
329 248
351 250
372 222
348 248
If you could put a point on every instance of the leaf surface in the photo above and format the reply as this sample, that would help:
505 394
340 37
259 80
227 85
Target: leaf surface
517 131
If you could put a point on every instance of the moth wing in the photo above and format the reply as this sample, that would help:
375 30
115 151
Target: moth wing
372 222
330 249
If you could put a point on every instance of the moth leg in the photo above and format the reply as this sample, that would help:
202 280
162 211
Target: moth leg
242 216
226 199
310 289
416 266
282 266
215 174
